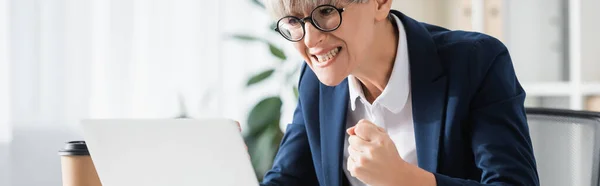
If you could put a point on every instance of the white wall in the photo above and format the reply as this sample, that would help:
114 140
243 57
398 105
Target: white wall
5 177
430 11
4 73
5 129
534 37
590 49
532 31
450 14
32 159
71 60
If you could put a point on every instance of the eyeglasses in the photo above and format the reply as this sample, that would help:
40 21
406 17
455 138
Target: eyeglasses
325 18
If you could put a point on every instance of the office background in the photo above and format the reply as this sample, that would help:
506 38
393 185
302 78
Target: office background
64 60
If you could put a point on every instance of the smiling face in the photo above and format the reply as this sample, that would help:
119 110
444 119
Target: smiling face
333 55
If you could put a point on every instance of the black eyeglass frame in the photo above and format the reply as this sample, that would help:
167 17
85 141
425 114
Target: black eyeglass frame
311 20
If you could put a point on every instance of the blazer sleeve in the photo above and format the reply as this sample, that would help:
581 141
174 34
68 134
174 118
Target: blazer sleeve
498 127
293 163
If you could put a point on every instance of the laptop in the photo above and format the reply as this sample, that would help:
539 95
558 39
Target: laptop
165 152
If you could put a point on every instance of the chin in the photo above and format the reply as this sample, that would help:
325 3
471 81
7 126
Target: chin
332 74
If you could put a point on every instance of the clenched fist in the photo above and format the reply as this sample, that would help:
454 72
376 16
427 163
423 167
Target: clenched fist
374 159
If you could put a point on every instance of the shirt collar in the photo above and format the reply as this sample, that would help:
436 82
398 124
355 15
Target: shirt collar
395 94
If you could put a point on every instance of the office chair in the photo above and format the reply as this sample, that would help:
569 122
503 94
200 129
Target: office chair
566 144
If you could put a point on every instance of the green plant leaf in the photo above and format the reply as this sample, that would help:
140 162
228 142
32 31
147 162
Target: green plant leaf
247 37
260 77
265 148
258 3
272 27
277 52
264 113
296 94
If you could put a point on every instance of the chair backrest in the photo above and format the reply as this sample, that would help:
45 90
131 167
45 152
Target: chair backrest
566 144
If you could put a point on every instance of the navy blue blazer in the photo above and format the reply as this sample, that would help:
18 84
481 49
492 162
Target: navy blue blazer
469 119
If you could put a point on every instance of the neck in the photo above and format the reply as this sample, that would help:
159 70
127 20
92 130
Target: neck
375 72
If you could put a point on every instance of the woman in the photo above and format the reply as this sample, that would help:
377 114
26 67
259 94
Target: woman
387 100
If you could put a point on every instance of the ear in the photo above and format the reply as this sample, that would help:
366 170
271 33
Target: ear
383 9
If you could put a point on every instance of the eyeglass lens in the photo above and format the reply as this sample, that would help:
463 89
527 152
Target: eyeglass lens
325 18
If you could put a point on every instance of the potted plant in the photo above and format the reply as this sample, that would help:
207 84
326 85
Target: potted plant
263 134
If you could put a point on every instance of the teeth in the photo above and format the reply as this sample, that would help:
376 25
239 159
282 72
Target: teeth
328 55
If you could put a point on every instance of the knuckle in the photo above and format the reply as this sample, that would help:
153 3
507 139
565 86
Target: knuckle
356 140
359 130
358 171
357 162
365 122
362 123
361 161
351 142
359 125
378 143
351 139
352 172
369 151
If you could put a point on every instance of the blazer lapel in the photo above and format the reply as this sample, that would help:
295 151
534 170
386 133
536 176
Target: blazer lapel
332 115
429 100
428 86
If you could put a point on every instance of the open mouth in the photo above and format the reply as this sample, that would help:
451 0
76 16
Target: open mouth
327 57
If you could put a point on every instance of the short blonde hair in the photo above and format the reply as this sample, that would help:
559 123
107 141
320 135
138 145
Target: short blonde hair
281 8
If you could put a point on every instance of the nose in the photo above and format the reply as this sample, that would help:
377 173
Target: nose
312 36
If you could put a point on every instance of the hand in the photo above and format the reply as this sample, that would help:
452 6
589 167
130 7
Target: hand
373 157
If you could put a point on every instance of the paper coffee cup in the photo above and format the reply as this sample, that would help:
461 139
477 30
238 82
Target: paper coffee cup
77 166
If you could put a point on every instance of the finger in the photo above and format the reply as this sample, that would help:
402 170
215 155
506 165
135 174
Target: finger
351 131
358 144
239 126
351 167
353 154
355 162
366 130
